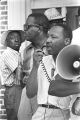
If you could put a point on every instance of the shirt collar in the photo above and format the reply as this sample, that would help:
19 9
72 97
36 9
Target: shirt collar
10 49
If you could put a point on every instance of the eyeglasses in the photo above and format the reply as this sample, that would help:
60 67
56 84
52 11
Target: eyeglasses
26 27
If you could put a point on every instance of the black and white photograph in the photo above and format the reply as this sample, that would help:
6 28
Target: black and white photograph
39 59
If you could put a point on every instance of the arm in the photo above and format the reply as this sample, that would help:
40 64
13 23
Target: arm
19 75
6 74
63 88
19 70
32 83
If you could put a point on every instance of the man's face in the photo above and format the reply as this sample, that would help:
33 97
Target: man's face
55 41
14 40
31 29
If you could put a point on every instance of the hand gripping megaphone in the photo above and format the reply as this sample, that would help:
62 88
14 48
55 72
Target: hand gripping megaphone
68 62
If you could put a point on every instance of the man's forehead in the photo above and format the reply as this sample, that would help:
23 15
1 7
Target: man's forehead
56 28
56 31
14 34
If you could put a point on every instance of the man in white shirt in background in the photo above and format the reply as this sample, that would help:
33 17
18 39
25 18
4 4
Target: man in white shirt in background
76 32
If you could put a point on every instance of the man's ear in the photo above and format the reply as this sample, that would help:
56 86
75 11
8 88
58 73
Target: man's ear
41 28
67 41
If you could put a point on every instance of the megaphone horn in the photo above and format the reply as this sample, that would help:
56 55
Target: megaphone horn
68 62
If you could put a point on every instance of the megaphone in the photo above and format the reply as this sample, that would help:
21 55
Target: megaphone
68 62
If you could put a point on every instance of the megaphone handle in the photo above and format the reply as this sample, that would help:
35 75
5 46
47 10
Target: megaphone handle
45 71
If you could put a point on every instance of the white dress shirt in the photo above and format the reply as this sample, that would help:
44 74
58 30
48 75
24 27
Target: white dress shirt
76 37
43 86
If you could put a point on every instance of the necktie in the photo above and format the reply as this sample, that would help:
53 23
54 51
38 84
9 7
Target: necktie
52 72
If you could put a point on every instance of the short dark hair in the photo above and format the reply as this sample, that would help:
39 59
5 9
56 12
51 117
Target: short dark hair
41 20
52 22
67 30
20 32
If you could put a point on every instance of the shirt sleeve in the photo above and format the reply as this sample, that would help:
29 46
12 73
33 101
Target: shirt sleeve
11 60
6 75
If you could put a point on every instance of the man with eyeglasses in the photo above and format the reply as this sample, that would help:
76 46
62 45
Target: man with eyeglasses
36 28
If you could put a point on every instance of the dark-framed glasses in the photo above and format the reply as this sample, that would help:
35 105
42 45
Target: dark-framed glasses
26 27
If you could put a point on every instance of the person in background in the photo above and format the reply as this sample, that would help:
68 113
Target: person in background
49 107
62 89
9 73
76 32
36 28
54 16
75 114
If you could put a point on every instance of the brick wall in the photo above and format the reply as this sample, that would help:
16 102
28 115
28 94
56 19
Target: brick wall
3 27
3 16
3 115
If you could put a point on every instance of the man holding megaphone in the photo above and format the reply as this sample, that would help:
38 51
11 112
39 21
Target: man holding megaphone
68 68
52 85
50 107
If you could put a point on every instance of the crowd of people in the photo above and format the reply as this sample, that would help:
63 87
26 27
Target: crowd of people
34 90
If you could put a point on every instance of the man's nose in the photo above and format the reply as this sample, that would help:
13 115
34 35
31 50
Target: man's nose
49 39
16 39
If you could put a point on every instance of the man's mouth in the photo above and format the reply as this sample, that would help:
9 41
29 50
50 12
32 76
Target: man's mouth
16 44
48 46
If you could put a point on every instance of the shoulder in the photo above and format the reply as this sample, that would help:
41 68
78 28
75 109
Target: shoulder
24 45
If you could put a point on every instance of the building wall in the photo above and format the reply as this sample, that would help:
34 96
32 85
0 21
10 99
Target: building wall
12 15
3 16
53 3
16 14
3 115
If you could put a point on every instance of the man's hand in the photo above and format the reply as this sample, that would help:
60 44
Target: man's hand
76 107
37 57
31 84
